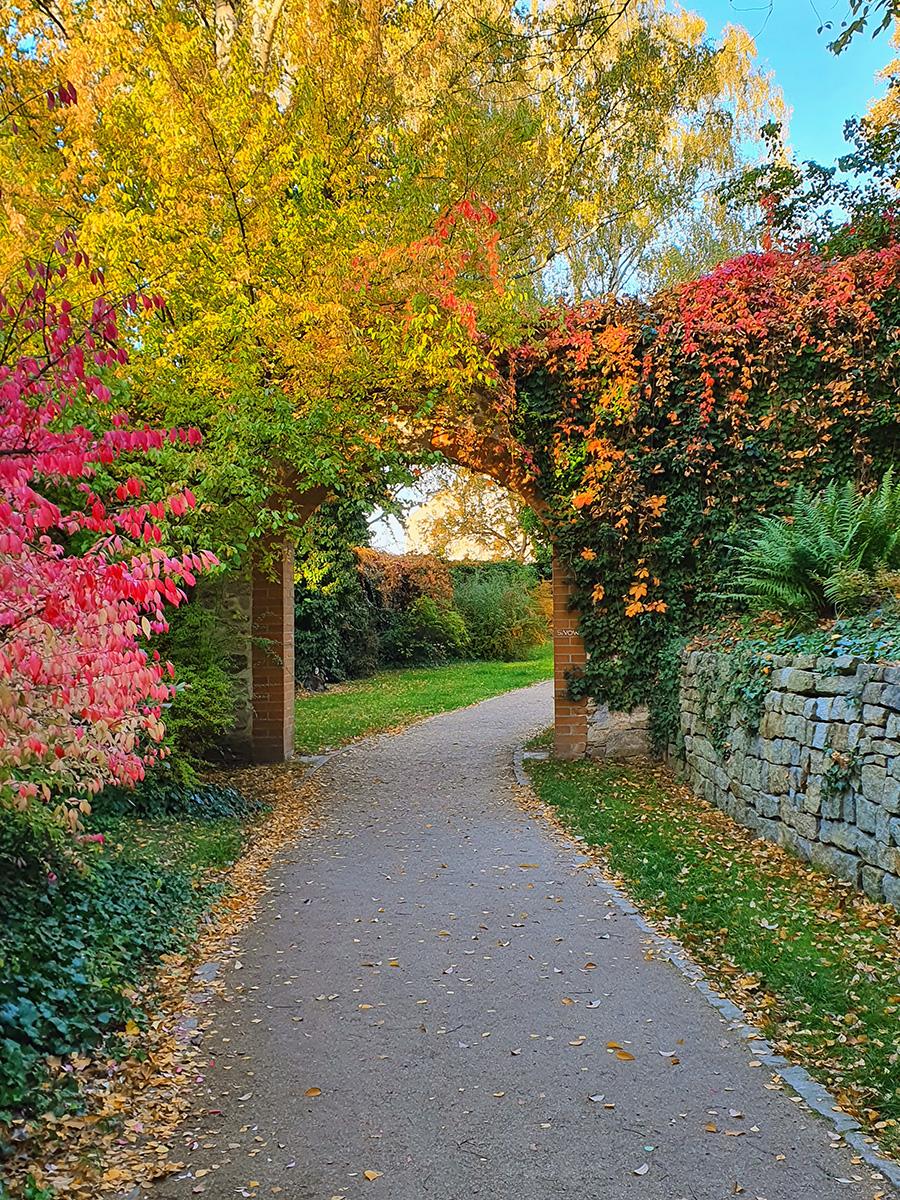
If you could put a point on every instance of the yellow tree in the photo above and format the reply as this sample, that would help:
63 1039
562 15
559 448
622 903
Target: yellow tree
469 517
349 207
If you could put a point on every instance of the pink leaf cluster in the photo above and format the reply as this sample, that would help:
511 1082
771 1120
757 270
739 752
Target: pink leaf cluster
84 578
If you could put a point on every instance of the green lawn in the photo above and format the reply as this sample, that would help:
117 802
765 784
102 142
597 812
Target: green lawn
813 962
395 698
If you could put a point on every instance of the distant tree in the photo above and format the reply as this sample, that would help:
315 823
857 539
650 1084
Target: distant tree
470 517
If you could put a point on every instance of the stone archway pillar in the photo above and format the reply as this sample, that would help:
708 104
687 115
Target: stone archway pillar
272 604
570 717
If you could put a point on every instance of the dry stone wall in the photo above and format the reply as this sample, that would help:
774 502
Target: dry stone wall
803 750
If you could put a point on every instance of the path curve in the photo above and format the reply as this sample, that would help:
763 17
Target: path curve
411 963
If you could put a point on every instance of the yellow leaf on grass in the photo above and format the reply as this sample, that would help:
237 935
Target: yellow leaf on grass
132 1029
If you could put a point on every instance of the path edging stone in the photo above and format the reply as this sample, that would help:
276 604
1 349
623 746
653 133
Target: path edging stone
797 1078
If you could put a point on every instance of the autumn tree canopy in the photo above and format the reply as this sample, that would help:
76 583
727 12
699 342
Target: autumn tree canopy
351 208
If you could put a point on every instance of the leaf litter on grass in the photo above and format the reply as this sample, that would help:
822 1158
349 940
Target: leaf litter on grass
133 1107
813 963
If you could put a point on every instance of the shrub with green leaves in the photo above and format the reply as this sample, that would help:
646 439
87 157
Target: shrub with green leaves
426 633
200 644
837 553
335 629
502 613
162 796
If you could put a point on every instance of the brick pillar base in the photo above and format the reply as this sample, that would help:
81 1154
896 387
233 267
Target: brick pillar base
569 716
272 737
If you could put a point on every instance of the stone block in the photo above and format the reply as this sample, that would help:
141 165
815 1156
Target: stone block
803 682
885 748
772 725
837 685
869 849
806 824
875 717
831 807
838 833
793 840
779 780
838 664
768 805
819 738
888 858
839 736
872 882
793 705
891 885
822 708
866 814
890 794
848 808
855 734
802 662
836 862
872 780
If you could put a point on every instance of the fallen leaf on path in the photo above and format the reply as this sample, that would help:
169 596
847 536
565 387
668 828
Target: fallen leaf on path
313 1091
370 1175
624 1056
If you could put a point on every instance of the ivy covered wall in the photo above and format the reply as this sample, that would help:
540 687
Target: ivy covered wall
654 431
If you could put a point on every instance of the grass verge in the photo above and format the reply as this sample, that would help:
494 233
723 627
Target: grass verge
814 963
391 699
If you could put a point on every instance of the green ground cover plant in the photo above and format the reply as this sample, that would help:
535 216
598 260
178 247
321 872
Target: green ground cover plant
813 963
79 947
394 698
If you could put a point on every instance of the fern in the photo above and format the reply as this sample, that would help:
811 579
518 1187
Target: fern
838 552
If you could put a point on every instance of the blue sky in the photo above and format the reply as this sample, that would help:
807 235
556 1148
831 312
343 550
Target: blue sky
822 89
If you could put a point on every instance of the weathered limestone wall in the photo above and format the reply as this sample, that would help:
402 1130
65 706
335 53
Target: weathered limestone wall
807 755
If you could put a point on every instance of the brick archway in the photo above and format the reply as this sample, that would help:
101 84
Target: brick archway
270 729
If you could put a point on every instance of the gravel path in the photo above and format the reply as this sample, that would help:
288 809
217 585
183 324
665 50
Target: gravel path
439 969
